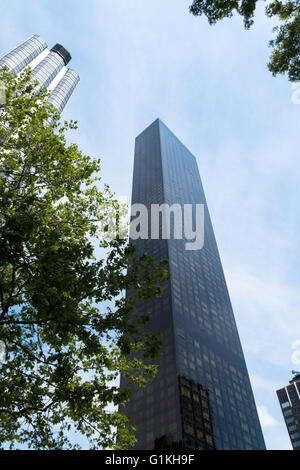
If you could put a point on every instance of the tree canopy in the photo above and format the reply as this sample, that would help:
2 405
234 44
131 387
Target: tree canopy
67 326
285 56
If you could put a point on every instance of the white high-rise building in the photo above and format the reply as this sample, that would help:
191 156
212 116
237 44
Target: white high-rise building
49 67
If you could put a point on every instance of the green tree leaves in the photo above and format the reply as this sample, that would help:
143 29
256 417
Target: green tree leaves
286 47
285 57
64 345
216 10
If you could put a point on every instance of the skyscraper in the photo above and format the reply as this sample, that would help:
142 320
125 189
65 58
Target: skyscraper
289 399
48 67
201 397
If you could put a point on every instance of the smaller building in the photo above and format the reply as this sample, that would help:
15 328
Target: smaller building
289 399
49 68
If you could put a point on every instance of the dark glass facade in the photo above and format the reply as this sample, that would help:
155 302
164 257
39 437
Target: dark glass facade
289 399
59 49
201 397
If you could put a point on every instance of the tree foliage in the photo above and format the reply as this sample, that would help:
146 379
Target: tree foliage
66 323
285 57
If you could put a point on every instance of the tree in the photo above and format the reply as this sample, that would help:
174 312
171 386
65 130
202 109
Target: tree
285 57
63 346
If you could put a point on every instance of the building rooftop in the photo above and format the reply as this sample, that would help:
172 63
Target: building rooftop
296 378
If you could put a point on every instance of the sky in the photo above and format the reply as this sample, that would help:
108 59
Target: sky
140 60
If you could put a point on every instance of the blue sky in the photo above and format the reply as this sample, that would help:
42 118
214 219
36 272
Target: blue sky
139 60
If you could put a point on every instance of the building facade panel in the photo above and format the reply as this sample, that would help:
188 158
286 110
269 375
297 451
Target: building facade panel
154 410
64 90
46 71
20 57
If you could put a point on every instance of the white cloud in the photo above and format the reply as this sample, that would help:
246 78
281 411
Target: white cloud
263 383
267 314
266 418
275 432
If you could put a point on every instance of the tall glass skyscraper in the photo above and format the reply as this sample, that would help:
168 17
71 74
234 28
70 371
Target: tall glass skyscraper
48 67
202 397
